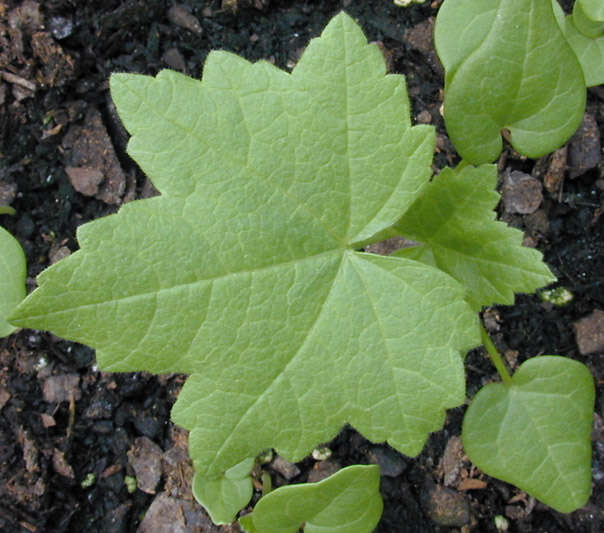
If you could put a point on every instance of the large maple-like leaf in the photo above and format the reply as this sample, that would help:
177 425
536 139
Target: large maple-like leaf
244 271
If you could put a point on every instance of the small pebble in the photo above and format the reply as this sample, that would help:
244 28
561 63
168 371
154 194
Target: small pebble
179 16
446 507
174 59
102 405
145 458
391 464
322 470
521 193
285 468
589 332
147 425
584 148
424 117
60 27
61 388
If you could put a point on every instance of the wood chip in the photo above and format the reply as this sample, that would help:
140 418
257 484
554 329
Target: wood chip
472 484
110 470
60 464
285 468
56 389
18 80
48 421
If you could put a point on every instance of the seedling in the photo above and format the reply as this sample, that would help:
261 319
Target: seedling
246 273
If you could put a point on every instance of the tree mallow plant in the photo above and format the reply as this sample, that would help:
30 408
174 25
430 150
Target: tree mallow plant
248 274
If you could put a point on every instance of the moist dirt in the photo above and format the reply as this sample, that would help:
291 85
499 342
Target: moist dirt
73 438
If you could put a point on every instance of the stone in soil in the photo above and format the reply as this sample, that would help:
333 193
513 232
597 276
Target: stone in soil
285 468
322 470
445 506
589 332
584 148
172 515
391 464
56 389
452 462
521 193
145 458
90 160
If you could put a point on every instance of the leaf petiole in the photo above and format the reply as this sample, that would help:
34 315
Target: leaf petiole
496 358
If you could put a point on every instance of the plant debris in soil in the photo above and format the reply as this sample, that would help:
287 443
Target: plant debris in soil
83 450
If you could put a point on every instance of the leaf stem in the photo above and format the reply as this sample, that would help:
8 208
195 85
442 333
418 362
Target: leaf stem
496 358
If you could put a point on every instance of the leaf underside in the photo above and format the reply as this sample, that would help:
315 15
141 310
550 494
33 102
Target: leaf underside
536 432
13 270
348 501
244 274
454 219
507 65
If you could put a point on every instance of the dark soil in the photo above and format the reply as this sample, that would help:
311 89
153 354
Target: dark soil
62 420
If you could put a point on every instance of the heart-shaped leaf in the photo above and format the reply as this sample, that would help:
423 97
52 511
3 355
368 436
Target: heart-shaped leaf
535 433
223 498
349 501
507 65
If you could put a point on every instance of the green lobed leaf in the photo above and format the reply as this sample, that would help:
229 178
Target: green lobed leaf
13 270
454 219
535 433
589 51
244 272
507 65
224 497
348 501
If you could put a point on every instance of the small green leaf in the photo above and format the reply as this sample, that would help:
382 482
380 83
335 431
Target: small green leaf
223 498
13 270
589 51
349 501
508 66
536 432
455 220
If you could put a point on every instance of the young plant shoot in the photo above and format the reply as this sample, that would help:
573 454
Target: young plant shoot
246 274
